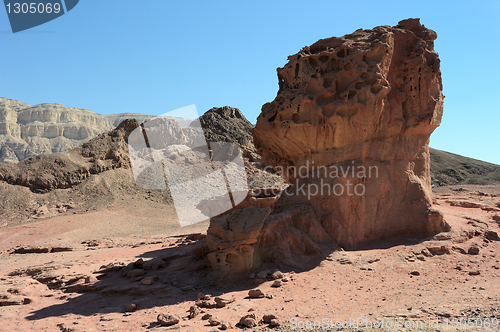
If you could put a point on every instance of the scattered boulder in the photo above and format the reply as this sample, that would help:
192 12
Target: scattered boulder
277 283
466 204
13 300
438 248
32 250
474 249
194 311
214 321
136 273
167 319
222 301
148 281
277 275
226 325
268 318
474 273
90 279
249 320
234 235
256 293
129 267
491 235
131 307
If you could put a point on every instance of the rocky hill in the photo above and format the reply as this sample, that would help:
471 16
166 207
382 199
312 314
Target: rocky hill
27 131
452 169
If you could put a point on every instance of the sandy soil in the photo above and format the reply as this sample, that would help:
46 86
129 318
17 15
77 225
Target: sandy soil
75 282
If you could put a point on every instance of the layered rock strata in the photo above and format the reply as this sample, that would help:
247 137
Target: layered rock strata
26 131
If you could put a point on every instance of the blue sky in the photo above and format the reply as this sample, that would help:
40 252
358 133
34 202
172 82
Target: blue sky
154 56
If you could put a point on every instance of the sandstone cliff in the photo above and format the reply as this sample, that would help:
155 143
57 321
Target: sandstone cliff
26 131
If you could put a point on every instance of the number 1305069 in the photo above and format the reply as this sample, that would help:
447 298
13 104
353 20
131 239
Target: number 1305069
33 8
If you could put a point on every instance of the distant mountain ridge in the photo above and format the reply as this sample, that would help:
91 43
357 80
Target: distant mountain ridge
27 131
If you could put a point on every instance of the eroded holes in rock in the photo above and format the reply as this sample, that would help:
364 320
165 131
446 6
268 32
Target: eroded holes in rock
348 66
370 81
362 97
359 85
327 82
344 110
325 98
296 117
313 62
324 58
271 119
374 56
364 75
297 70
314 86
376 88
328 110
352 94
343 52
334 63
344 81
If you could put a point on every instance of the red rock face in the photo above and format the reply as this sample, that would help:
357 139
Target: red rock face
359 109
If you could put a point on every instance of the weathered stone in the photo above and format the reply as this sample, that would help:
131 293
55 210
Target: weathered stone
90 279
277 275
147 281
366 102
214 321
222 301
167 320
438 248
131 307
234 235
474 249
226 325
194 311
127 269
256 293
136 273
249 320
491 235
12 300
268 318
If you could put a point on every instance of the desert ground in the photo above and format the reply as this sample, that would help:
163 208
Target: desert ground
63 274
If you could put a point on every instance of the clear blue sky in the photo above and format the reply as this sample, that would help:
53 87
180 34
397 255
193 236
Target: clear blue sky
154 56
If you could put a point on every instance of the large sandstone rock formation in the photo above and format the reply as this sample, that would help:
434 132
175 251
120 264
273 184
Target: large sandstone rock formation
26 131
349 128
